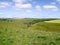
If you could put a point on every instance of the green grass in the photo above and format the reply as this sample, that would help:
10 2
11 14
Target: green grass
17 32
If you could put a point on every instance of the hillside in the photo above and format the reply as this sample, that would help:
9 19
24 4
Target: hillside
29 32
46 26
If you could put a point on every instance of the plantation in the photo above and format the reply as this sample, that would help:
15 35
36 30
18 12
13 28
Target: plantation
29 32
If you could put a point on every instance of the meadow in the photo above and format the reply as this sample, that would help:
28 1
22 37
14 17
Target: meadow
29 32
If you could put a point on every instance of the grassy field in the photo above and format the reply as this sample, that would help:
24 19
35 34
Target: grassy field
55 27
29 32
53 21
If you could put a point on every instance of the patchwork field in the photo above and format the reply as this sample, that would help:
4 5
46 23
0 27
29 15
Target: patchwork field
29 32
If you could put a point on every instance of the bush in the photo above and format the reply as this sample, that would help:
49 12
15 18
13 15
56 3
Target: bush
52 43
42 37
57 39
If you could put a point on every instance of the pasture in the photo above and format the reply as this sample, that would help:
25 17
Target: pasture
29 32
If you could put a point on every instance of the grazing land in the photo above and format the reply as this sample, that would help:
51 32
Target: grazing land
29 31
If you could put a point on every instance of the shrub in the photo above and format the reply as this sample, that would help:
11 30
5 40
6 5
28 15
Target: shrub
52 43
42 37
57 39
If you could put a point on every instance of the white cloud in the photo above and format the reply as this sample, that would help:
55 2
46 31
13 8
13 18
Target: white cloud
28 11
58 1
18 16
18 1
34 2
38 8
21 1
26 5
22 6
4 4
53 3
1 13
17 6
51 7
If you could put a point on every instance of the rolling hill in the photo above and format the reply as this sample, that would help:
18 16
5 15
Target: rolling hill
29 32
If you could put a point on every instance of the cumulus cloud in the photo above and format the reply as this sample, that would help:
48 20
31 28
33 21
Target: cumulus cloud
21 1
53 3
58 1
19 16
22 6
26 5
38 8
1 13
51 7
28 11
4 4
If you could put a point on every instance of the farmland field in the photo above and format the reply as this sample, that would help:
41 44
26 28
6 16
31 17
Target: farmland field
29 32
53 21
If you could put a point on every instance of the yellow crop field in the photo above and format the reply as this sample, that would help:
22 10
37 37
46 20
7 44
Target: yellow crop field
53 21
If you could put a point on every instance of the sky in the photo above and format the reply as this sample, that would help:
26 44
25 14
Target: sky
29 8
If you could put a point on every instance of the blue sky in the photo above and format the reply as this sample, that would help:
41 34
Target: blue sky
29 8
